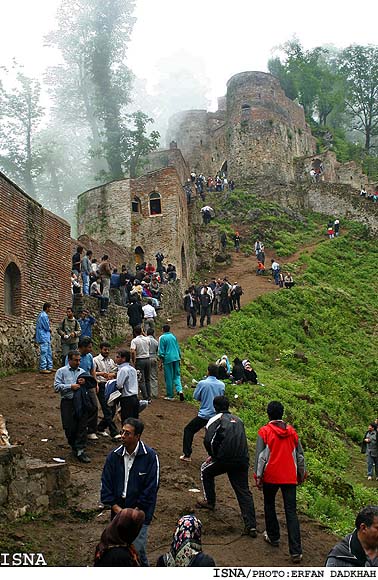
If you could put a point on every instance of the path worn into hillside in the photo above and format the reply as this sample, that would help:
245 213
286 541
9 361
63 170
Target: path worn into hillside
32 411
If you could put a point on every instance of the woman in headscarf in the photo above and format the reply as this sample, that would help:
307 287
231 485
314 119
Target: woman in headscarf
116 543
186 547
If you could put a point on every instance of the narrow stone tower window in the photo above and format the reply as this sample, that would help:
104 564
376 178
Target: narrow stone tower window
136 206
245 113
155 203
12 290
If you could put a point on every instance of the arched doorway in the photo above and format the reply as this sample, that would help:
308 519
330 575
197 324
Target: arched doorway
223 169
12 290
139 255
183 263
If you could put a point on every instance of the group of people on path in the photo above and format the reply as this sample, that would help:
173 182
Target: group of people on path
371 195
211 298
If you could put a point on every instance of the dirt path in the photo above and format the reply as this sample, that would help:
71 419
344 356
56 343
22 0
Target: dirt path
32 411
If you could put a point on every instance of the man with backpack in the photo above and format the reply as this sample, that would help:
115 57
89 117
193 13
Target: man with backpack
226 442
69 331
236 293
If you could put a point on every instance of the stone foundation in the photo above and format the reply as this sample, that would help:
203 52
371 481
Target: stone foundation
29 485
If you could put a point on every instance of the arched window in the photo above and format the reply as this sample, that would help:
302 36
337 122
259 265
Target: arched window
136 206
139 255
155 203
12 290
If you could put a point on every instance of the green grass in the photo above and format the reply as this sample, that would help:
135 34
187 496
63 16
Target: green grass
326 379
281 228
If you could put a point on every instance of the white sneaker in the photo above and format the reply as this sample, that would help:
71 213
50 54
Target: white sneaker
92 436
169 398
103 433
370 478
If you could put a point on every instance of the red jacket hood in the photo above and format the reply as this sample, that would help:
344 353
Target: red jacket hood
280 428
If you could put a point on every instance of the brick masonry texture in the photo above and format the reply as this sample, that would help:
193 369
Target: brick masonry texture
106 212
39 244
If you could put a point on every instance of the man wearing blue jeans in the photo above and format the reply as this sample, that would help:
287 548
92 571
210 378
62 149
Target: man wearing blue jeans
130 479
205 392
43 338
86 267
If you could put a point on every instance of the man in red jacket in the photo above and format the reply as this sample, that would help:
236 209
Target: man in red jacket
279 463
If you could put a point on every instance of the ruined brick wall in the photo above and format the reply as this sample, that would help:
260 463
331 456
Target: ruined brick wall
167 232
171 157
101 213
118 256
35 246
349 173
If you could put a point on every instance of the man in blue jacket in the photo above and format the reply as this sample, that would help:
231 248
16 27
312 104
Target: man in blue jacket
43 338
205 392
130 479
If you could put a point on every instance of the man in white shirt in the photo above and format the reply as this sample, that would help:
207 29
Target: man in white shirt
127 380
149 315
105 369
140 359
154 347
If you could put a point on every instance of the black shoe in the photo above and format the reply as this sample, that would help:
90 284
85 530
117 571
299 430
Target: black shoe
252 532
204 505
83 458
182 398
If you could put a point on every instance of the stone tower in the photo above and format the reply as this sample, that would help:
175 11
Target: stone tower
265 129
255 134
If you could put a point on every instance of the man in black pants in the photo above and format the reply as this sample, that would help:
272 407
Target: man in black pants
106 369
127 382
226 442
67 382
205 392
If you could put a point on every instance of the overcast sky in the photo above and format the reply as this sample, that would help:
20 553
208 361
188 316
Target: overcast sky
228 37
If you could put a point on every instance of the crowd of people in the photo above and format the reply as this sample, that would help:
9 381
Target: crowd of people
123 387
202 184
371 195
103 280
211 298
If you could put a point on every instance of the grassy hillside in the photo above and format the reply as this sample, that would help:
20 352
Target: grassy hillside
281 228
326 379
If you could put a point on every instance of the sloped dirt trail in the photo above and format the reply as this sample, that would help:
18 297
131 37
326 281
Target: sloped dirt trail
32 411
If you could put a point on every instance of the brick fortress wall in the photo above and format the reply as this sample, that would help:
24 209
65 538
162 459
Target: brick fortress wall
36 246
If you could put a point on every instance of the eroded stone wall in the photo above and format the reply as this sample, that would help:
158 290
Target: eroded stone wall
29 485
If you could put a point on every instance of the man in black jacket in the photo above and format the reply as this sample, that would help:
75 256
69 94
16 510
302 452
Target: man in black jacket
226 442
135 313
360 548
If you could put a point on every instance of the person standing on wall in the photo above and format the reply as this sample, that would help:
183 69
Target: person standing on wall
69 331
43 339
86 268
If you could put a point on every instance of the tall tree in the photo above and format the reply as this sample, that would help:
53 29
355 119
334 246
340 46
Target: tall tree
93 84
136 144
359 66
21 114
310 77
